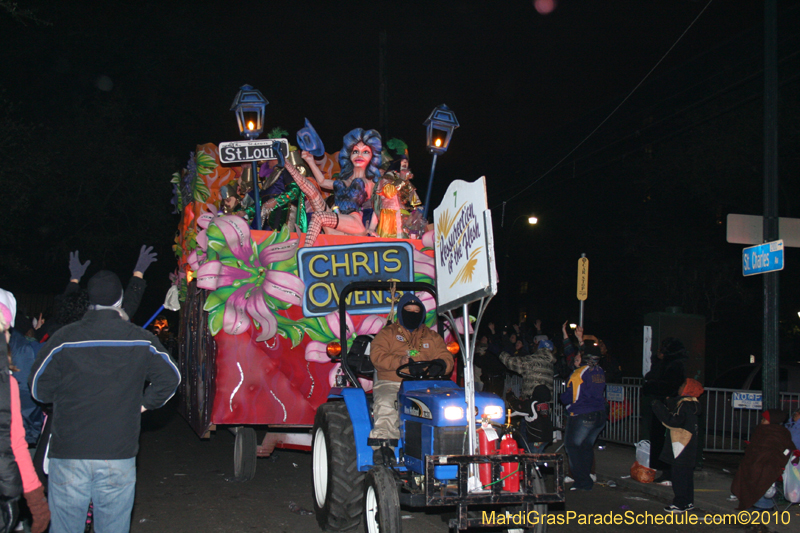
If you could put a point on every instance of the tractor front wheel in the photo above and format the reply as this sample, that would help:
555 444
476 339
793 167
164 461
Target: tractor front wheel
381 502
338 485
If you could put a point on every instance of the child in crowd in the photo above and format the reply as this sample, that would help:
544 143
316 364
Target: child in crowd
680 415
537 428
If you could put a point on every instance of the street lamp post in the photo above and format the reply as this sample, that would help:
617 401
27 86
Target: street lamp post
249 106
440 124
532 220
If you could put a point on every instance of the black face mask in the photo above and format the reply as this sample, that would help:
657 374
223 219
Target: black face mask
411 319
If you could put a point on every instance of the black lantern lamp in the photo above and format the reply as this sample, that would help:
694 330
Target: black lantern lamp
249 106
440 124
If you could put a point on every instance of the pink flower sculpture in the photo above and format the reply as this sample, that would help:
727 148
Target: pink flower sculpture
249 280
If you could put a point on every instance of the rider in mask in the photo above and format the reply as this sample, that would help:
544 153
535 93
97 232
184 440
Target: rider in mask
408 339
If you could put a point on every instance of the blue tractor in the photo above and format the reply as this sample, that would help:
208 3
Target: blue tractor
432 457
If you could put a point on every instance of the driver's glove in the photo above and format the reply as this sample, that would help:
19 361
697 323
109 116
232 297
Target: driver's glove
415 370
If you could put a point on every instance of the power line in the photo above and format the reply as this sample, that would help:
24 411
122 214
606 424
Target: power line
534 182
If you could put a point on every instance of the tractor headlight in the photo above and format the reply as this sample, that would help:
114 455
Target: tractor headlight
453 412
494 412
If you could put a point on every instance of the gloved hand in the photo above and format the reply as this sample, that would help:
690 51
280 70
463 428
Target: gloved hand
415 369
438 367
37 503
146 257
276 147
76 269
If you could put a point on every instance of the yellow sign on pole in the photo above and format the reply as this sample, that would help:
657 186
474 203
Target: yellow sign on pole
583 278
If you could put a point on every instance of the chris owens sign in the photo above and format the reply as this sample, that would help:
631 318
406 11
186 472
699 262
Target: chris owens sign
326 270
464 247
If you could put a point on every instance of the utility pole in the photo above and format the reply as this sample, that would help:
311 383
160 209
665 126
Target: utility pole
771 281
383 88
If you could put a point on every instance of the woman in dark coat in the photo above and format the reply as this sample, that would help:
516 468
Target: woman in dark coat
681 417
666 375
763 461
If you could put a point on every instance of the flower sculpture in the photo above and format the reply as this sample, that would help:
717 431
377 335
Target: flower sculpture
249 280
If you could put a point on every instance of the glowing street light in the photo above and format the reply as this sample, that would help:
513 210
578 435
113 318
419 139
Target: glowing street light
249 106
532 220
440 125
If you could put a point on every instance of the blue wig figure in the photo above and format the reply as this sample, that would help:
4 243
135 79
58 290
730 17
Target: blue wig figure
372 139
352 212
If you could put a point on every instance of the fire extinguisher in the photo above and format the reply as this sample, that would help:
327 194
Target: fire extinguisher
486 447
508 446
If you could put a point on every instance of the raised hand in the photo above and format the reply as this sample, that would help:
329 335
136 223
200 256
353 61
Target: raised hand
308 157
76 268
146 257
276 147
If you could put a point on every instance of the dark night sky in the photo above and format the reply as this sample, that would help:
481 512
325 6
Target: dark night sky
512 75
526 88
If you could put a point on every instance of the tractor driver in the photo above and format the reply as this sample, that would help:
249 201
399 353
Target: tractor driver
408 339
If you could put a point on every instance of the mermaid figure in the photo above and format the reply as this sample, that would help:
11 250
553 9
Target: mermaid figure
360 160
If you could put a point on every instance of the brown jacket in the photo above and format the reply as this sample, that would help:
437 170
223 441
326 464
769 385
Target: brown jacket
763 461
394 341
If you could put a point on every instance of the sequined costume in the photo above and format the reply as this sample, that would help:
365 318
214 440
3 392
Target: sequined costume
278 216
392 200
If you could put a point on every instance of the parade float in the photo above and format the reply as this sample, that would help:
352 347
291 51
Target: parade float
277 321
259 306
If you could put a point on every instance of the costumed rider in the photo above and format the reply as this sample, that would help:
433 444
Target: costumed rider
395 198
408 339
279 209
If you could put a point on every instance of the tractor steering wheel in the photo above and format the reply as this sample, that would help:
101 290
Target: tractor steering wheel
421 370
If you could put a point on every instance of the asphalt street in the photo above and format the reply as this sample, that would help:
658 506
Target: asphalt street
184 486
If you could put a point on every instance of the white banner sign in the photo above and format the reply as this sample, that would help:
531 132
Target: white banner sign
646 353
464 249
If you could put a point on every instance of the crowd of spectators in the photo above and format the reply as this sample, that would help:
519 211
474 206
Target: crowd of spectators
520 364
67 425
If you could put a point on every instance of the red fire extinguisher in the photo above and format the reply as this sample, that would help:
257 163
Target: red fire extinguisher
486 447
508 446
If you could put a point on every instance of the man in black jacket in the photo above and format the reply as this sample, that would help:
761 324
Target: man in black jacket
94 373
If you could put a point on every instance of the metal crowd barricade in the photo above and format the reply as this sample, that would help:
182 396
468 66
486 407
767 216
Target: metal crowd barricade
729 424
725 428
624 413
